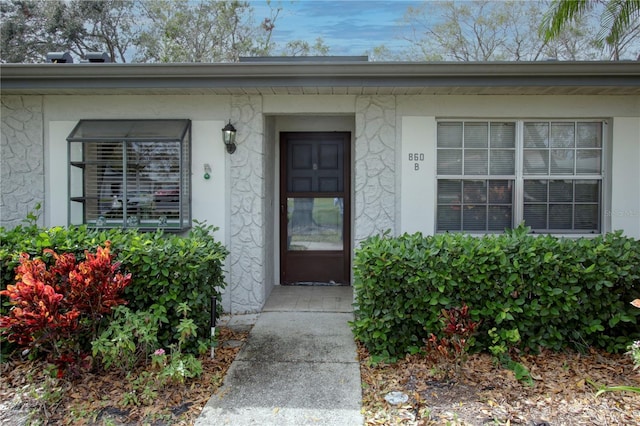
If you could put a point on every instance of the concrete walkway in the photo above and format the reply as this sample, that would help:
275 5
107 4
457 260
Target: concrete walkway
298 366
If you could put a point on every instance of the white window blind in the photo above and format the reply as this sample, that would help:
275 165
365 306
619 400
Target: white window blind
475 163
562 176
560 181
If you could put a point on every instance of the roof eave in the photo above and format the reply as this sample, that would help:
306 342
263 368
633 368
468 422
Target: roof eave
52 77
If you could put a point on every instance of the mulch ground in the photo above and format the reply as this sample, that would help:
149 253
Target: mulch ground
563 391
99 398
481 392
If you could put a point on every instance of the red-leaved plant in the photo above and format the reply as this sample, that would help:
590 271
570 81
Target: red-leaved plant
58 310
450 352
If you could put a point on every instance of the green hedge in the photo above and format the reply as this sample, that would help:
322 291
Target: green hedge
556 292
166 269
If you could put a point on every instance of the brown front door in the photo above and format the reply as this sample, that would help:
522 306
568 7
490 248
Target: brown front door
314 207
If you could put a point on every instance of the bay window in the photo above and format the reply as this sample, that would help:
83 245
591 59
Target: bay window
130 174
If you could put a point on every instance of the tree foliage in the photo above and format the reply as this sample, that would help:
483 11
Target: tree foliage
32 28
303 48
138 30
205 31
484 30
619 22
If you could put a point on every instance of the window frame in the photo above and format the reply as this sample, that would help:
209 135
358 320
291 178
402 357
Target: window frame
519 177
80 145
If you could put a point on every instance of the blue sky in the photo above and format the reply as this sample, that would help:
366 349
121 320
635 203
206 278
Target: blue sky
348 27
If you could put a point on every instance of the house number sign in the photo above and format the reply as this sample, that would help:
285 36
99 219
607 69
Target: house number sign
416 158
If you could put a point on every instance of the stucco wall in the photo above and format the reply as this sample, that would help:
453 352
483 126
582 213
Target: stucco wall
246 263
375 166
624 212
22 159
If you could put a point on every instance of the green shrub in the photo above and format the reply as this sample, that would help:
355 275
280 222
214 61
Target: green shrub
166 269
555 292
129 339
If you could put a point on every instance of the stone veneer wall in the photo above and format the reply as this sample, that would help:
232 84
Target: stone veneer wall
246 287
22 159
374 164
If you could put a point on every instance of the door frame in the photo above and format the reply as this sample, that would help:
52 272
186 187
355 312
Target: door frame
283 196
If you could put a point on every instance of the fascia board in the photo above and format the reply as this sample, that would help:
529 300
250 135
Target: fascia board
385 74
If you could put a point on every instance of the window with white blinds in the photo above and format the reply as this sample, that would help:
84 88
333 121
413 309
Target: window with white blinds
554 167
562 163
130 174
476 174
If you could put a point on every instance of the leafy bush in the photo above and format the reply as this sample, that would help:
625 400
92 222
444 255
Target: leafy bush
56 309
166 269
128 339
554 292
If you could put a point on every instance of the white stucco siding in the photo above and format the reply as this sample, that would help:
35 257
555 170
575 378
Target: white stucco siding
417 165
247 271
56 172
208 114
625 176
305 104
22 180
374 166
518 107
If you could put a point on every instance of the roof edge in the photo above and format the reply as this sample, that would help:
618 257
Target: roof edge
313 69
112 77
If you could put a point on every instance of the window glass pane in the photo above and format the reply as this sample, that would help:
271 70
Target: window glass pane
587 191
315 223
562 161
476 135
449 218
589 135
449 161
500 192
535 191
587 217
476 161
499 218
561 191
563 135
503 135
449 191
560 216
474 217
449 135
536 135
536 162
588 161
502 162
535 216
475 191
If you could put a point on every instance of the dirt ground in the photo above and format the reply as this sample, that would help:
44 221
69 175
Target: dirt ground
100 398
563 391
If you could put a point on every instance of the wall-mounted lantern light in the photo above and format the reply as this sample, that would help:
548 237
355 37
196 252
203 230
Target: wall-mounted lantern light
229 137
